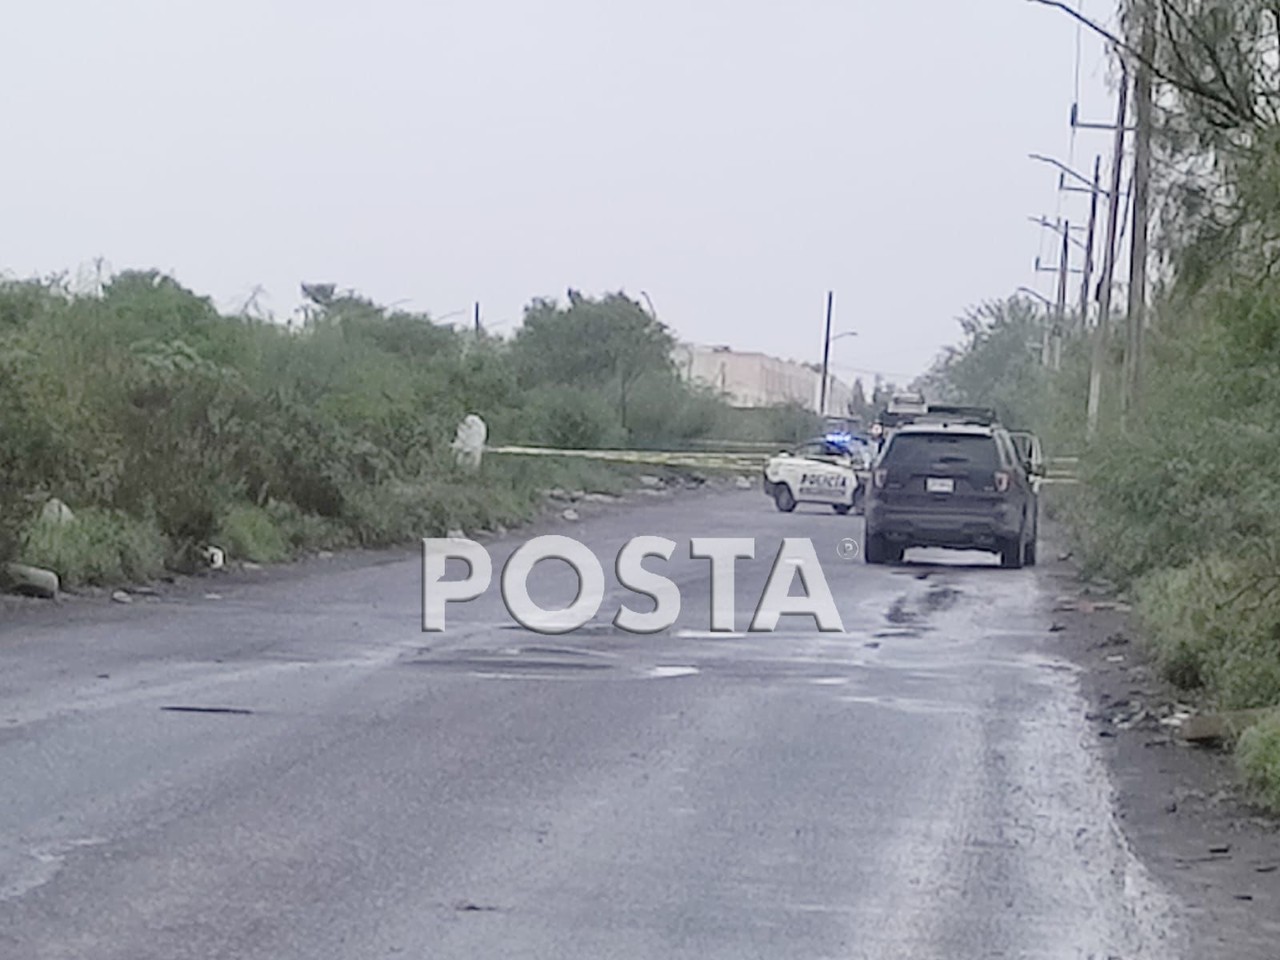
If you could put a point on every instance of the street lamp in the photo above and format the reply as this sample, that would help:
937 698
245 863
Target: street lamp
1092 185
1035 293
826 355
1058 228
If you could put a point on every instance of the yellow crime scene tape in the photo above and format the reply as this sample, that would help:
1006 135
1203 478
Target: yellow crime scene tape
709 460
1060 471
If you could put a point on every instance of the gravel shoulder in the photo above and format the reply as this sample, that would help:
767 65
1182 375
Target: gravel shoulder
1180 805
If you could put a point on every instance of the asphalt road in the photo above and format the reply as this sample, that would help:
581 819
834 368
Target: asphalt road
922 786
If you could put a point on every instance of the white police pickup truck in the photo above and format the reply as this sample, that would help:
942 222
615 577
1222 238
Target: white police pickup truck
831 470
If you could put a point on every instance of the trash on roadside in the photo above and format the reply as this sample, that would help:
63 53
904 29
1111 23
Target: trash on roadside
32 581
55 511
1209 728
570 514
121 596
468 442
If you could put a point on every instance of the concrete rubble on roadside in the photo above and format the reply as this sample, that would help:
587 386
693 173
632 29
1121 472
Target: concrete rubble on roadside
32 581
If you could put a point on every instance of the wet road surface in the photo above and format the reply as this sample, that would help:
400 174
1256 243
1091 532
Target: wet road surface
922 786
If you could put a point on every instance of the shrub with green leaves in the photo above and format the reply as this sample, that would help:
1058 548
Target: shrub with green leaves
1258 755
96 547
167 426
1215 624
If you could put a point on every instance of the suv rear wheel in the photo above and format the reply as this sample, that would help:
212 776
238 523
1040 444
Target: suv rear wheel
1011 553
877 549
841 508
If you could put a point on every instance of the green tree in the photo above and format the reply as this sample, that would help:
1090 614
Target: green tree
997 364
609 343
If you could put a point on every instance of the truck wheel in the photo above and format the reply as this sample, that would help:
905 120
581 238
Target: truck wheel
841 508
783 499
1011 553
875 549
1029 553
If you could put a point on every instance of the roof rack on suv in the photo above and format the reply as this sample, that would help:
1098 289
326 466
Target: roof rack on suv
941 413
982 416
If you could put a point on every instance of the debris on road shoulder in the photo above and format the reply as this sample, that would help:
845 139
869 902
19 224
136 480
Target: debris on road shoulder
1209 728
32 581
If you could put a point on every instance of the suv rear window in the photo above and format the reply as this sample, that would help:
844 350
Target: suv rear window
924 450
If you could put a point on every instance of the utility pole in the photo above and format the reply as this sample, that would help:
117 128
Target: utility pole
1088 245
1141 198
826 356
1060 311
1108 260
477 318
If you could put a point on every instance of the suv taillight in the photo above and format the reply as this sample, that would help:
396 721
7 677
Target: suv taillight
1003 480
880 478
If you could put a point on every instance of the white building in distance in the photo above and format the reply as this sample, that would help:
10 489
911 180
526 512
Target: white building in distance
759 380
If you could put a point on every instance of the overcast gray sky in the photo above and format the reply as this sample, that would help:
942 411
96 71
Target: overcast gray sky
733 159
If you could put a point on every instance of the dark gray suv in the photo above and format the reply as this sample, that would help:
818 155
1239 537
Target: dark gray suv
960 485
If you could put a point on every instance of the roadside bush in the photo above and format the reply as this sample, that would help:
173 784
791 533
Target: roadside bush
1258 755
97 547
306 531
1215 624
570 418
168 426
249 532
662 413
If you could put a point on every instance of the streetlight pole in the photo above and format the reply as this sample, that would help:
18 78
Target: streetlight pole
826 357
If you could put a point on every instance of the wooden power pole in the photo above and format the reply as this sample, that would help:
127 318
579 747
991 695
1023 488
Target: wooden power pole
1060 308
1085 295
1099 347
1137 314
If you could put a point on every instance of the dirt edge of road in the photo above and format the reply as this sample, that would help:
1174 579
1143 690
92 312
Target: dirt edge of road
1180 806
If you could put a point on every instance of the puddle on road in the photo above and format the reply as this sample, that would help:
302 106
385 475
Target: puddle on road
899 613
912 706
663 673
940 597
466 664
